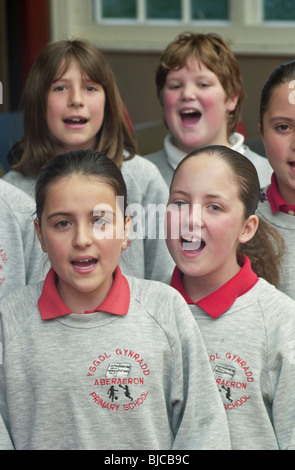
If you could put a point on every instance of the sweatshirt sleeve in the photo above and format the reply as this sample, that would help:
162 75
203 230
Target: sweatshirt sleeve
280 330
5 439
200 421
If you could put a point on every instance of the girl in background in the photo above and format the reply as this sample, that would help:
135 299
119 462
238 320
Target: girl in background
200 88
93 359
226 266
21 259
277 130
71 101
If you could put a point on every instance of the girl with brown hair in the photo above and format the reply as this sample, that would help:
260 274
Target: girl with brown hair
226 265
71 102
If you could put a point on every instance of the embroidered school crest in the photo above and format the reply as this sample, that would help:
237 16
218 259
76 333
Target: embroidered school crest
233 377
119 380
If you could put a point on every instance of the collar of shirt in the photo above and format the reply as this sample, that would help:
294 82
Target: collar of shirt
117 301
275 200
222 299
175 155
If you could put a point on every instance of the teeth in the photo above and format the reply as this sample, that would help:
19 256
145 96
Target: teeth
191 239
189 111
90 260
74 119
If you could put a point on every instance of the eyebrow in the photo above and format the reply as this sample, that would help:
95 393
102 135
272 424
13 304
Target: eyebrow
67 80
93 213
281 118
207 196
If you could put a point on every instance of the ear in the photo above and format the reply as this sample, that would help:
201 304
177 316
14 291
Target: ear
127 229
39 235
260 131
232 102
250 228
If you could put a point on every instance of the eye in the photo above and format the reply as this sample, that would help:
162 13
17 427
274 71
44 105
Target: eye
99 221
181 204
91 88
215 208
62 224
173 85
283 127
178 206
59 88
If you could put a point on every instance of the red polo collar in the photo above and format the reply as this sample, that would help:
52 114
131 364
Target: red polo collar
223 298
275 200
117 301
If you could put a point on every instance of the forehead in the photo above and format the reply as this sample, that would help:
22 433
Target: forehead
205 173
74 188
283 94
67 64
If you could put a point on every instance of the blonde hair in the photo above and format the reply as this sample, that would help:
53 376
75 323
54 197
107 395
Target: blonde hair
216 55
37 146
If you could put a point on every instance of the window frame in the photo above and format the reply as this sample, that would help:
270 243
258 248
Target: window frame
246 32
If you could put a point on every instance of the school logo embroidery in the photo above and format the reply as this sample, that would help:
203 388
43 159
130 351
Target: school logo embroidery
119 380
233 376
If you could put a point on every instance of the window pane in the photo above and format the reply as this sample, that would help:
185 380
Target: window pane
163 9
213 10
279 10
119 9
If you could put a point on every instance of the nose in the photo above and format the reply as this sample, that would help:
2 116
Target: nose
189 91
196 221
82 236
191 219
76 97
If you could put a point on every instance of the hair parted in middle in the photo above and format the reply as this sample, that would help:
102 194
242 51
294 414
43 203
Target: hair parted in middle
37 145
81 162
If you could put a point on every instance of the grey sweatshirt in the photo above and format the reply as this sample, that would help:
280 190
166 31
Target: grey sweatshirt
147 256
104 381
168 158
22 261
285 225
252 353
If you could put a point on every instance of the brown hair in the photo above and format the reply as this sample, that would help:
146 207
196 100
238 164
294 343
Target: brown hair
37 145
215 54
82 162
266 248
282 74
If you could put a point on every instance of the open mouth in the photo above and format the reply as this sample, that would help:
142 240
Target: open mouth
190 116
84 263
192 244
291 164
75 121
